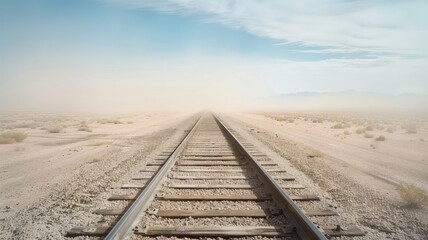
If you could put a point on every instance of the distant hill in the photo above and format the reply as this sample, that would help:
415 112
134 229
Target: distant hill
346 101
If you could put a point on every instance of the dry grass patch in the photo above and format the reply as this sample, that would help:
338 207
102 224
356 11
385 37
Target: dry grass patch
360 130
413 195
315 154
341 126
84 128
12 137
54 129
96 159
390 129
368 135
380 138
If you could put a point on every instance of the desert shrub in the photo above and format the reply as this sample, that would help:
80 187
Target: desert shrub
96 159
369 128
412 130
346 132
12 137
317 121
54 129
368 135
341 126
315 154
413 195
380 138
360 130
390 129
84 128
105 121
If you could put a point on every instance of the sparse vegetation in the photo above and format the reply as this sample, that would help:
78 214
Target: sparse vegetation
315 154
347 133
368 135
84 128
360 130
380 138
96 159
12 137
106 121
390 129
54 129
341 126
410 128
369 128
410 193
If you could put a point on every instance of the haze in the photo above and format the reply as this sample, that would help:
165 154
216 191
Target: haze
129 55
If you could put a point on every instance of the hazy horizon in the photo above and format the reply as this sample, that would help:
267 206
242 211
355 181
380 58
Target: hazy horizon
109 55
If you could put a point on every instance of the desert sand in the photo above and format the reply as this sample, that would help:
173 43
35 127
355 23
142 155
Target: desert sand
361 175
68 165
61 152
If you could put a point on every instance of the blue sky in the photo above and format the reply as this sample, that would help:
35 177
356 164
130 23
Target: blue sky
269 47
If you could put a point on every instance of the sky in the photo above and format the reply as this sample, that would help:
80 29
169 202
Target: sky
126 54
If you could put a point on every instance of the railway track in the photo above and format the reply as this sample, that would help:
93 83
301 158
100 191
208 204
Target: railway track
213 185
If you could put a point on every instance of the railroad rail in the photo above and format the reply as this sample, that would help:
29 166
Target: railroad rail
213 184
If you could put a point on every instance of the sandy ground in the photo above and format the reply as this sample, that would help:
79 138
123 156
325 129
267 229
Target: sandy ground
359 178
53 181
401 158
50 178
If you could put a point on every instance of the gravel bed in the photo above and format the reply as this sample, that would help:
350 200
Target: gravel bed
211 205
249 174
214 181
151 220
216 191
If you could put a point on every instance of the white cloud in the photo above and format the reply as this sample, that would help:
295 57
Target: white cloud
379 27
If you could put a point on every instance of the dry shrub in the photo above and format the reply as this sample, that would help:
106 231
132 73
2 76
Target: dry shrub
12 137
369 128
390 129
54 129
84 128
341 126
360 130
96 159
413 195
410 128
347 133
315 154
368 135
380 138
105 121
116 122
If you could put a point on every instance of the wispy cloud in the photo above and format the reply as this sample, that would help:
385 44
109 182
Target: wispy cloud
378 27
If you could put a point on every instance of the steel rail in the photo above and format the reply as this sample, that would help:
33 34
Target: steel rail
305 228
136 211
